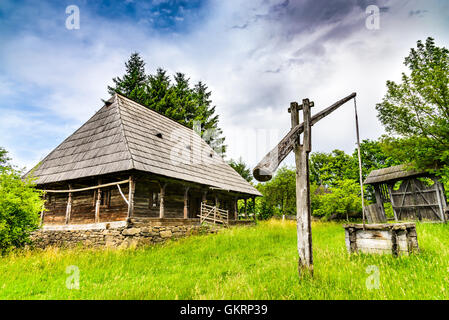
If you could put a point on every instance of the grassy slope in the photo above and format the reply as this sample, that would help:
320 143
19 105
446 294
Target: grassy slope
240 263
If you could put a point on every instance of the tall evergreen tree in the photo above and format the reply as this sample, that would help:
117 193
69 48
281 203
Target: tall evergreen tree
176 100
133 82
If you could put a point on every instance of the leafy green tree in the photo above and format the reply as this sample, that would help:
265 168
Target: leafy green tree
342 201
241 168
328 168
280 191
20 205
415 112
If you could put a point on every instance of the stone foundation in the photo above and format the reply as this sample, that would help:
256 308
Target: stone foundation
121 234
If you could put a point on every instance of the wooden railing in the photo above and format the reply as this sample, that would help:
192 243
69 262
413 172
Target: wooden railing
213 215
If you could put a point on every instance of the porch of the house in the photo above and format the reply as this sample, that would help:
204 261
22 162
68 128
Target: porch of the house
135 197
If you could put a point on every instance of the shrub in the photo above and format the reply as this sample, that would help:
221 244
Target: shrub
20 206
342 200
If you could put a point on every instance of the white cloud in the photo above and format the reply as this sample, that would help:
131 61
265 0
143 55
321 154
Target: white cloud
254 64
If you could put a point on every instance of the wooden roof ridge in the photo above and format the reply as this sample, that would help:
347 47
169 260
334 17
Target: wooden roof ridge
117 100
392 173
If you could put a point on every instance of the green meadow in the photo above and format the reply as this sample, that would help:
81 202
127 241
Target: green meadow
257 262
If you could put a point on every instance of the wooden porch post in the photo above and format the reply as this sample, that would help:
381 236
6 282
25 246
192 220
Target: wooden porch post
186 202
69 207
162 200
236 208
97 206
131 191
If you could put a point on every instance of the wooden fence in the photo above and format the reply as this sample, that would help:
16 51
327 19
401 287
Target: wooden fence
213 214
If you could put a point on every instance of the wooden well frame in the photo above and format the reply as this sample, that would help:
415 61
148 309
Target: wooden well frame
390 238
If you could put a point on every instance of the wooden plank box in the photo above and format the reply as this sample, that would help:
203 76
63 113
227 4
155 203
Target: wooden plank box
390 238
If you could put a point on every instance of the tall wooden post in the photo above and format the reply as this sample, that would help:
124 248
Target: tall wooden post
186 202
131 191
97 206
69 207
254 208
162 201
303 214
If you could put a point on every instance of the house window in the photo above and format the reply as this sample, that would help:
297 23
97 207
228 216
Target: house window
153 200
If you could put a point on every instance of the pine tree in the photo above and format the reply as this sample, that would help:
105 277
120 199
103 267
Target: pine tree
133 83
205 113
176 100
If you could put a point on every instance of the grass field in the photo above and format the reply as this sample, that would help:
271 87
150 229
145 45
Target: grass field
240 263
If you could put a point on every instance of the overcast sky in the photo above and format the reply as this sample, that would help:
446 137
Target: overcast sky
256 57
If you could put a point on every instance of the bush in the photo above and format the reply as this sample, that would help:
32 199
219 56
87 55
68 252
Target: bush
20 207
342 200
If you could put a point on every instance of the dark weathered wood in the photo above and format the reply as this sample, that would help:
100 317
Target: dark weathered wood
396 239
374 214
379 201
265 168
303 214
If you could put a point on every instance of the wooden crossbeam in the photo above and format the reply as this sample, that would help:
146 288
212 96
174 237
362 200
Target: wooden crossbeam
88 188
268 165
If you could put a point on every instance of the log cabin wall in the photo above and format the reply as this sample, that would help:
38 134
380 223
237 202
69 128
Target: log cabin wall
112 208
148 191
146 200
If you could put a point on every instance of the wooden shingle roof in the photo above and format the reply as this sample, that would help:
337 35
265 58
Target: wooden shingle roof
390 174
124 135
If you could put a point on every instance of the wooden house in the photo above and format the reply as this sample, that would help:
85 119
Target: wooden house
414 195
129 161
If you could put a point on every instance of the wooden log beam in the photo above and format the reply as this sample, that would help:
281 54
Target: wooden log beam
87 188
265 168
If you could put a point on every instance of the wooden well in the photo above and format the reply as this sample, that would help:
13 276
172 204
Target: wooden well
389 238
